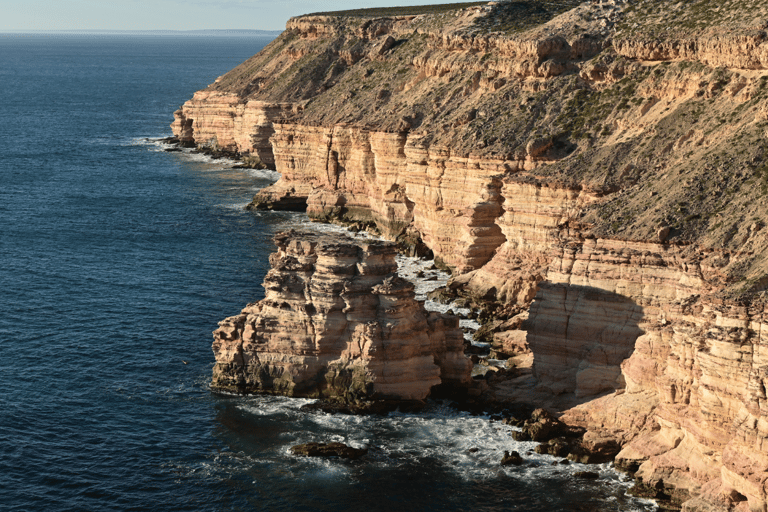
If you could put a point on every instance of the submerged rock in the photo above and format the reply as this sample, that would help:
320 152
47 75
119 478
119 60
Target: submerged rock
328 450
338 322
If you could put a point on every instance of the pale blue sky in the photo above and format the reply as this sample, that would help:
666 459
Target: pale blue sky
22 15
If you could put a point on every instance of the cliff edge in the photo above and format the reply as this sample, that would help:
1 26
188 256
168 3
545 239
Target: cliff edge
603 164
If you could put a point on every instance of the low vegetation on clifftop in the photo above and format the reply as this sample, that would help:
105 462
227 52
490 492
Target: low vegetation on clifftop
592 173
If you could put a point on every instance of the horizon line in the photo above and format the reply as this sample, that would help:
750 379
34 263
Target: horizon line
154 31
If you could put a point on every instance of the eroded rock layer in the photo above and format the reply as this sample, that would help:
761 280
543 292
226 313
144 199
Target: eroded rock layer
337 321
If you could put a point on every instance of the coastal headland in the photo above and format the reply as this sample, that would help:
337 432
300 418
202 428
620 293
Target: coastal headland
592 174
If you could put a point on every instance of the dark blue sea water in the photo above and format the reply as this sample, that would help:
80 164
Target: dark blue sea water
117 260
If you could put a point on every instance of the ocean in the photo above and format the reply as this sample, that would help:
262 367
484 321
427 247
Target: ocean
117 260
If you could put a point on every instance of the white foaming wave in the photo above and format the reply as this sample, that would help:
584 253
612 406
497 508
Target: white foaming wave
220 466
325 470
473 447
200 158
144 141
431 278
154 145
157 145
233 206
272 405
470 446
265 174
304 222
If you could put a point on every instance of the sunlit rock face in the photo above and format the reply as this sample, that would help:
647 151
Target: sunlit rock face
337 321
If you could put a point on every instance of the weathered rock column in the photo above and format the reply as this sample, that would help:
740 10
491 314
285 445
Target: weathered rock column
337 321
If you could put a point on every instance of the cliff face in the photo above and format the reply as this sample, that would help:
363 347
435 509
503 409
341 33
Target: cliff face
336 321
605 165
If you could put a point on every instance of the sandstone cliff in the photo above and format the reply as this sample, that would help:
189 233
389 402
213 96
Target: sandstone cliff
337 321
605 163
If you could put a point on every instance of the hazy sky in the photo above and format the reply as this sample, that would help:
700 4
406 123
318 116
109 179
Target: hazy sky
22 15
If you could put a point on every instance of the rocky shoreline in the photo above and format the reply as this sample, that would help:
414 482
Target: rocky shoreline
555 438
565 443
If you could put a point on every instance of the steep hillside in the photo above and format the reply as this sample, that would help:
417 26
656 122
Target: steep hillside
604 163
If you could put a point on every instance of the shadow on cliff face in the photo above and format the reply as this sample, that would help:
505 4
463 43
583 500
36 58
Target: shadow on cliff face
579 336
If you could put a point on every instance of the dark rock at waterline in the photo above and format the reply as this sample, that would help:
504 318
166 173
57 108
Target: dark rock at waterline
543 427
172 150
286 203
474 349
668 498
328 450
513 458
595 450
513 421
440 295
629 467
558 447
587 475
561 440
174 140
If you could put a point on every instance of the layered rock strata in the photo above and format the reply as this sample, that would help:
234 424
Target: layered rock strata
337 321
606 166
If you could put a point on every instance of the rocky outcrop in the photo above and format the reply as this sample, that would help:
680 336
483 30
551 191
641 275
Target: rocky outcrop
337 321
704 363
223 120
742 51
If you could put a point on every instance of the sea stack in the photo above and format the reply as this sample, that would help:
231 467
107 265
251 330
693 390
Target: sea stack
338 322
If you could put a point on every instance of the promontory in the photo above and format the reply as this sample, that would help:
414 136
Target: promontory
592 174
